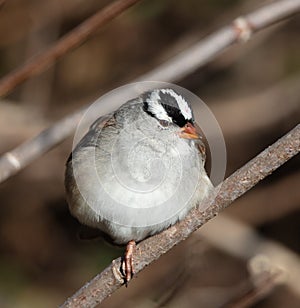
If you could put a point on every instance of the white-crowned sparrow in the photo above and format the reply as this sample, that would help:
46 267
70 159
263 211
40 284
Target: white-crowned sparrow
138 170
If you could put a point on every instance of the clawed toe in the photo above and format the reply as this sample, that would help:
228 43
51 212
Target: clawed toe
127 262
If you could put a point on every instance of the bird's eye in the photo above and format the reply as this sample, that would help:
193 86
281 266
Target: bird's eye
164 123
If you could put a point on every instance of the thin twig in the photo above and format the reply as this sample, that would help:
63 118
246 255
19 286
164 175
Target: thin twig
174 69
105 283
68 42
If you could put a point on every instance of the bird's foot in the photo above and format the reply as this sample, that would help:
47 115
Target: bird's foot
127 262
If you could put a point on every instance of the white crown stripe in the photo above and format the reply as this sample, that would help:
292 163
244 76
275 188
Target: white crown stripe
183 105
156 108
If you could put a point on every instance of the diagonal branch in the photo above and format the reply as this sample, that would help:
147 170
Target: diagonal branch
239 31
178 67
73 39
104 284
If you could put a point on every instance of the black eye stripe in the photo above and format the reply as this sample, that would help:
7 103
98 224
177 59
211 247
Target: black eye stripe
175 114
168 102
146 109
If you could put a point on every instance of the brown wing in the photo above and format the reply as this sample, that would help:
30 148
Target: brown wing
90 138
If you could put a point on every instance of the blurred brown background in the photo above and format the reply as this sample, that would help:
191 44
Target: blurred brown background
253 90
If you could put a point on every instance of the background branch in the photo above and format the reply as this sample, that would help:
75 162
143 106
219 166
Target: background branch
242 241
174 69
104 284
68 42
204 51
27 152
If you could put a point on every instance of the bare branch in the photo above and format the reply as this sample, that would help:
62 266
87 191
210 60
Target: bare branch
104 284
68 42
15 160
242 241
239 31
176 68
267 282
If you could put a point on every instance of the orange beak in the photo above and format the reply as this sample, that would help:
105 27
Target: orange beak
189 132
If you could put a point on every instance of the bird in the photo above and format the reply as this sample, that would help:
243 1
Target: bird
138 170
